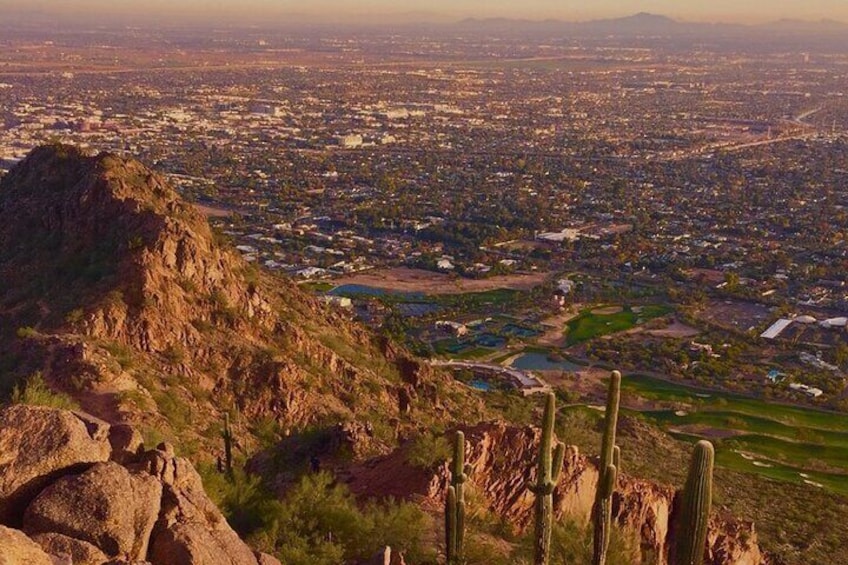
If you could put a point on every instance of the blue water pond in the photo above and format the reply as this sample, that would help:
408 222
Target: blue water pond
541 362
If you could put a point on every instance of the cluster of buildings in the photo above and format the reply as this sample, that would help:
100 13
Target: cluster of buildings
645 164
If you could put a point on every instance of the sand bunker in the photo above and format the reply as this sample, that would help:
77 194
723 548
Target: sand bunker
607 310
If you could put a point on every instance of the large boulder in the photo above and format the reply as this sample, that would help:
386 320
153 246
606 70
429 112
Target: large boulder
190 530
126 443
39 445
17 549
107 506
81 552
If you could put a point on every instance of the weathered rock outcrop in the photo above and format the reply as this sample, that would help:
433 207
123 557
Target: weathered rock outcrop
733 541
17 549
190 528
80 552
502 457
38 445
81 503
107 506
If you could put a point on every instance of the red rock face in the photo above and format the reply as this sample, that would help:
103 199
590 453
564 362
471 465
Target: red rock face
502 461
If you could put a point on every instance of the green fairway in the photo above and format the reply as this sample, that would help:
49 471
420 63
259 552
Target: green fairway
473 353
657 389
777 441
752 424
589 324
317 286
734 461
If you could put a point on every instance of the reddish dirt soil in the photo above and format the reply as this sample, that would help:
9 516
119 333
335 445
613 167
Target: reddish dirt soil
418 280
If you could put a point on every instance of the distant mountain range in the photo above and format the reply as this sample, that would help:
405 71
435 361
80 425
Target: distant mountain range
645 23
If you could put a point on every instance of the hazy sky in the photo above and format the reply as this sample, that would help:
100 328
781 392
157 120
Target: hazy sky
714 10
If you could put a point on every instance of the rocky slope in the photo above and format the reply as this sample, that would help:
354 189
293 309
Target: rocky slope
120 295
502 462
75 490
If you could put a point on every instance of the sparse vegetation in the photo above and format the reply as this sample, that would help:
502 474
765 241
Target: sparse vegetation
428 450
317 522
75 316
35 391
121 353
174 354
26 332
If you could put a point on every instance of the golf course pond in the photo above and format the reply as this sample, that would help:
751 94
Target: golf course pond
542 362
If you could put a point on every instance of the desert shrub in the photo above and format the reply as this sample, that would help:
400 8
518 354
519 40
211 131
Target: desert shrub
35 391
26 332
75 316
428 450
174 354
174 408
572 543
121 353
318 522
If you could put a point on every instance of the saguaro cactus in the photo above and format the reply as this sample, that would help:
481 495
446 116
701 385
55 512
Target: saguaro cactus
547 476
455 504
608 472
697 499
227 434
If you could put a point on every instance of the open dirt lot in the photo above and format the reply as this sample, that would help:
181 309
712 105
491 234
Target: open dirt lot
212 212
735 314
416 280
676 329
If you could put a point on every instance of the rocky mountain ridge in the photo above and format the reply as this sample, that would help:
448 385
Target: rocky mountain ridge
121 296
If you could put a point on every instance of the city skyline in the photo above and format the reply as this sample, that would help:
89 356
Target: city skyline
377 11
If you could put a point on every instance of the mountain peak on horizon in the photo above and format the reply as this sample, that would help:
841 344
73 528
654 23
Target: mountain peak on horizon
648 16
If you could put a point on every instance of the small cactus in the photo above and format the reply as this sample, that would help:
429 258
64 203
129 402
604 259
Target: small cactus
608 472
697 499
455 504
547 477
227 434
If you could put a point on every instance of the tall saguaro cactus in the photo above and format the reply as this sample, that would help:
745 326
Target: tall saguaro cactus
227 434
608 472
550 466
697 499
455 504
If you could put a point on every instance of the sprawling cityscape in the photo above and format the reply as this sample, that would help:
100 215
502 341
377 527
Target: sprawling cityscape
523 207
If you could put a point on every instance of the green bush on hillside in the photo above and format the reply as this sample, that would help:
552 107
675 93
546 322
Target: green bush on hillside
428 450
318 522
34 391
